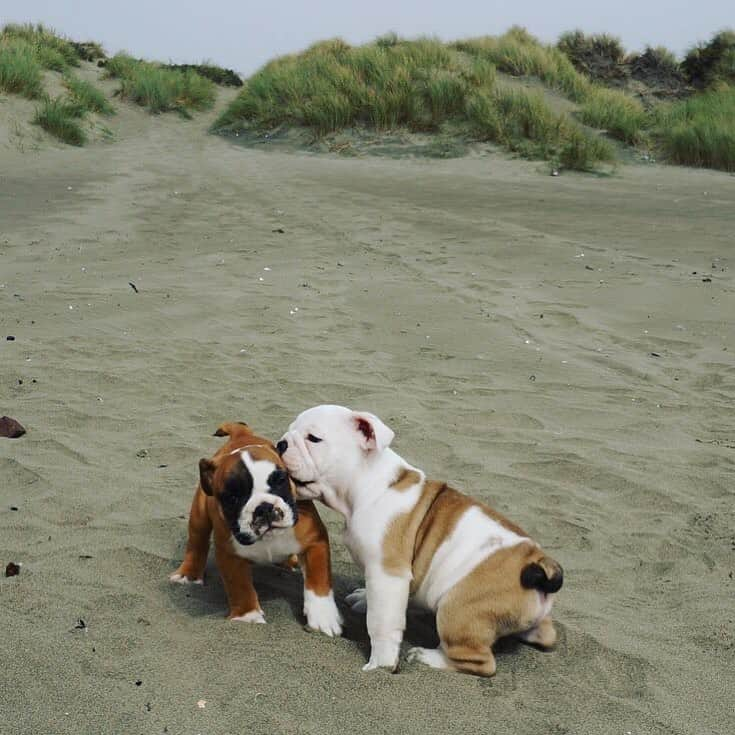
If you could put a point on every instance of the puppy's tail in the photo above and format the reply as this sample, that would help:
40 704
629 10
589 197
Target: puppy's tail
229 428
544 575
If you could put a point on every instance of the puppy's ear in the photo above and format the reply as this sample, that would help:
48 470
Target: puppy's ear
373 434
229 428
206 475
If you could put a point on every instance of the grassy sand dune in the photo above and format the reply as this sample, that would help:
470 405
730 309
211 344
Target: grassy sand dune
451 97
450 89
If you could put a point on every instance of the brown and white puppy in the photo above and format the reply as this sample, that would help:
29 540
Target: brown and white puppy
245 496
479 572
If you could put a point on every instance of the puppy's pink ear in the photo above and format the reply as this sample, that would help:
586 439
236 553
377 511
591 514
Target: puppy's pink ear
373 434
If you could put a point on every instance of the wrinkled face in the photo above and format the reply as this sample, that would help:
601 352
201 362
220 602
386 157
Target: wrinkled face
253 491
326 447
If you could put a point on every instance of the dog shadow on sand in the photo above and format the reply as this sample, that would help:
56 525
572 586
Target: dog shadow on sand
276 585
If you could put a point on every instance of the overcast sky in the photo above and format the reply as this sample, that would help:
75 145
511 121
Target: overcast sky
244 35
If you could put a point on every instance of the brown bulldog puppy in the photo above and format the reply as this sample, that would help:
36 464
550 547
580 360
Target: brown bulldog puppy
245 496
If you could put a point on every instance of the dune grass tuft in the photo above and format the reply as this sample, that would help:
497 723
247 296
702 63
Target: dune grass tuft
523 122
712 61
622 116
86 95
89 50
517 52
20 71
216 74
655 61
595 54
61 117
700 131
160 89
423 85
52 51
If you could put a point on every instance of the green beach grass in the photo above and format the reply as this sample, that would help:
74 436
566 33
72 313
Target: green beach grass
20 71
699 131
52 51
422 85
61 118
160 89
86 95
621 115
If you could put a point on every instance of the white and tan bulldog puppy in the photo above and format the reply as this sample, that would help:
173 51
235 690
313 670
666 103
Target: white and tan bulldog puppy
481 574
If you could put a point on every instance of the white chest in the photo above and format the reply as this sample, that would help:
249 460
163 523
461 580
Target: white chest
276 547
365 530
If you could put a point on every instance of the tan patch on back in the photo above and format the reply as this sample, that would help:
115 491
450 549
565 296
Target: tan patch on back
406 479
400 536
436 527
412 538
491 599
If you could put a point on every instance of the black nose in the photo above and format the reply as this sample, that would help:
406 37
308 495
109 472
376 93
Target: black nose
281 447
265 512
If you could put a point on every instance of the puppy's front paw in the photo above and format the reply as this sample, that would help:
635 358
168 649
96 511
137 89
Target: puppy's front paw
357 600
433 657
322 613
383 655
254 616
179 578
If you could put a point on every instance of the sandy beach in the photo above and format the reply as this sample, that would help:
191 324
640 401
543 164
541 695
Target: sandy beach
561 347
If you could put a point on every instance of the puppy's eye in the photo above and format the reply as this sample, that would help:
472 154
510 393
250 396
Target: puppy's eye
312 438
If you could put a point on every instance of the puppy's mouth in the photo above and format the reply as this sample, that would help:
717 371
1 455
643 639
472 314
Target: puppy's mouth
302 483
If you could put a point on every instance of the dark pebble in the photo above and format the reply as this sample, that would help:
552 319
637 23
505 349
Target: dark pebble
280 230
11 428
655 354
138 682
706 280
10 338
12 570
13 507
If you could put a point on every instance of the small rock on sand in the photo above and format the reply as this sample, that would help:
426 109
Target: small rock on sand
11 428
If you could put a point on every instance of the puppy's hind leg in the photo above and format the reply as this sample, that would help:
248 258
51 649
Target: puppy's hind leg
197 545
467 637
542 635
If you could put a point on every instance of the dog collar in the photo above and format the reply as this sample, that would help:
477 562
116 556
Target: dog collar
247 446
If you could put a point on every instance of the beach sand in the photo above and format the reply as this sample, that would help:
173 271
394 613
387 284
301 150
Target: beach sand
553 346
